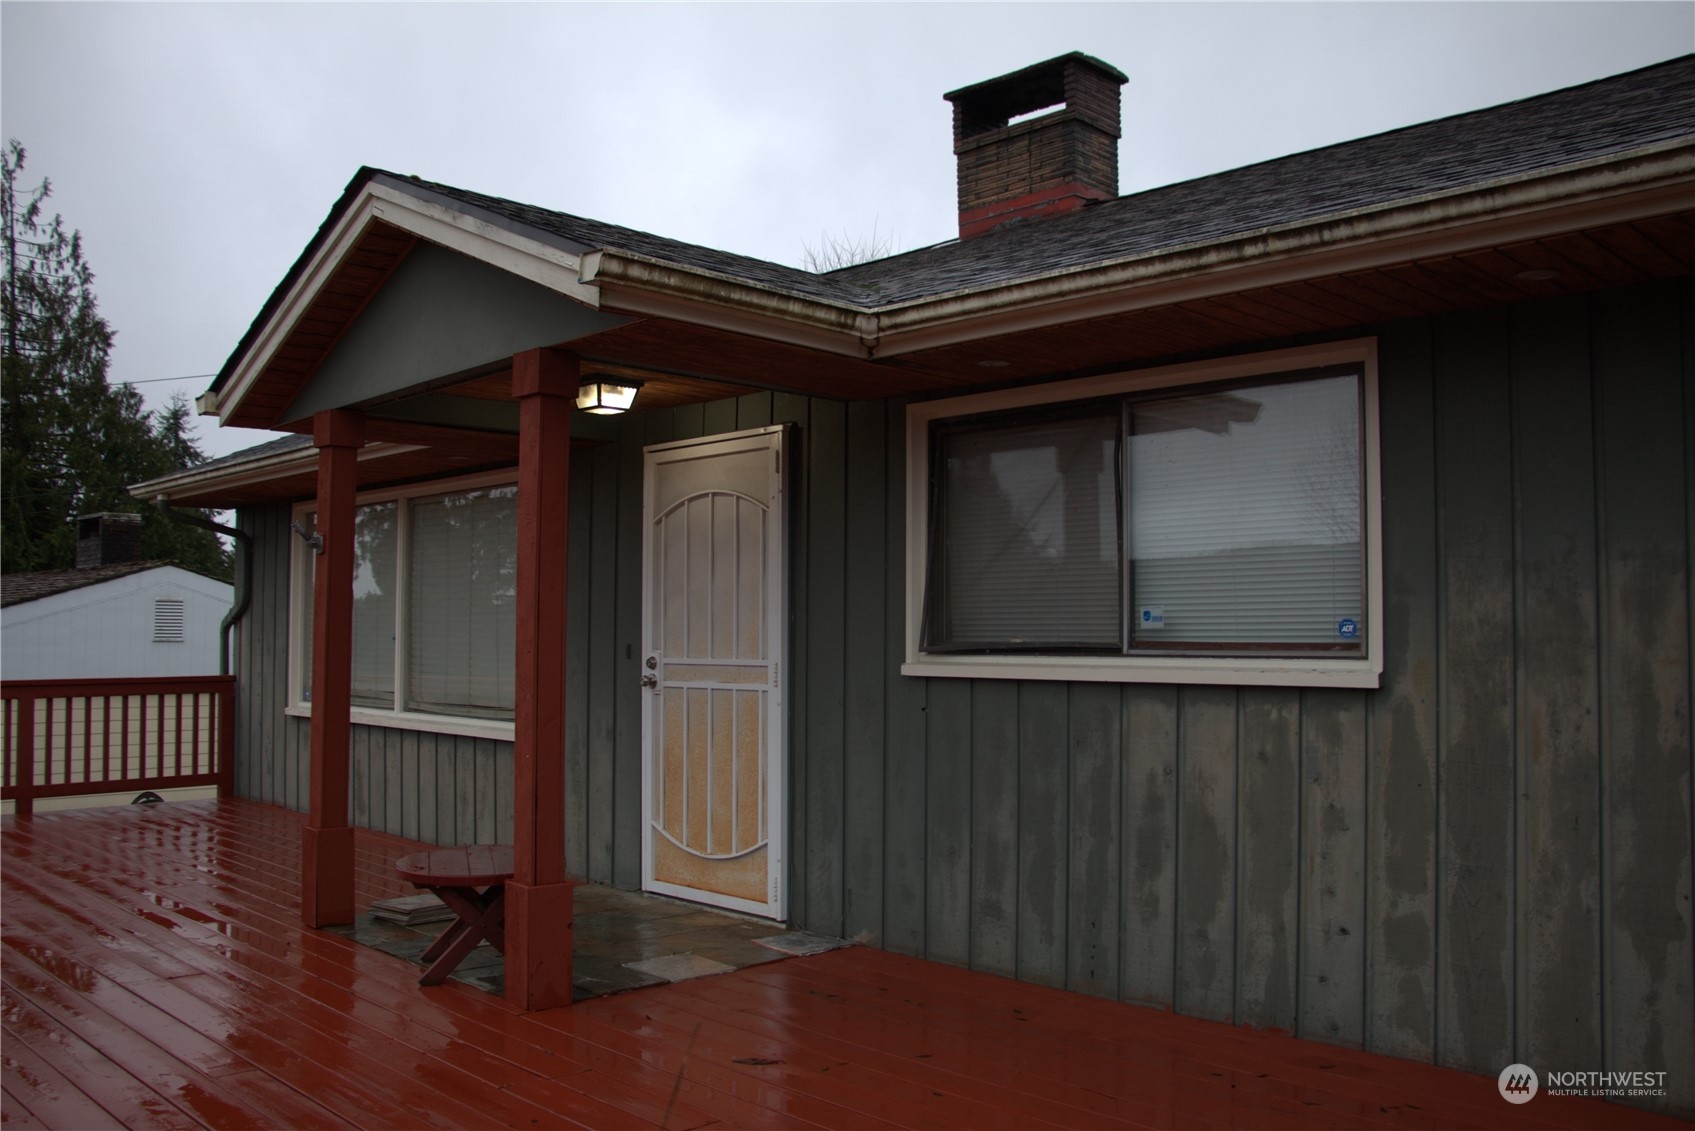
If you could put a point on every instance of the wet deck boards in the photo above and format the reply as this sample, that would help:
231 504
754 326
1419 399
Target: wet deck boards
154 973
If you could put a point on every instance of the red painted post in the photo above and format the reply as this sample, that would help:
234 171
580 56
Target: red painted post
224 754
106 737
538 898
47 749
23 803
88 739
194 766
326 867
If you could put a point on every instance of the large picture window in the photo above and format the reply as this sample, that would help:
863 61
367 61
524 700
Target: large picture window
1209 524
434 588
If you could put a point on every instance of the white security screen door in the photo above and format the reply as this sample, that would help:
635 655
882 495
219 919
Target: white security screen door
714 569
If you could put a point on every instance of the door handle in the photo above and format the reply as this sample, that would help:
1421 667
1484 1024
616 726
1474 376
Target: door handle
649 680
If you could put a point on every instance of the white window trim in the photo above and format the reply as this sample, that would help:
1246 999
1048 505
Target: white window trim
414 720
301 559
1365 670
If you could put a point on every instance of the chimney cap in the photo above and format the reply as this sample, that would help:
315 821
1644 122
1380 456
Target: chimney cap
1037 82
1036 143
107 538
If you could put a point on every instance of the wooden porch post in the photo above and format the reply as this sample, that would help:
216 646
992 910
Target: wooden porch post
326 867
538 898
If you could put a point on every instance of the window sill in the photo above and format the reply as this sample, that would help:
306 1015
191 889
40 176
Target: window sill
1235 671
434 724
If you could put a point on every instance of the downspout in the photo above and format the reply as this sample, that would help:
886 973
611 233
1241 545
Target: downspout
243 572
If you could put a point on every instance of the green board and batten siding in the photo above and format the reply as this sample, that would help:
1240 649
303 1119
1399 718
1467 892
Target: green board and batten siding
1487 859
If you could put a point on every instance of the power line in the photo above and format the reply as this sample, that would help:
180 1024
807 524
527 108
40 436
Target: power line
162 380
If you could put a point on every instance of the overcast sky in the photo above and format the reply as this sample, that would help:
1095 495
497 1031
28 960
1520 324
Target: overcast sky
198 146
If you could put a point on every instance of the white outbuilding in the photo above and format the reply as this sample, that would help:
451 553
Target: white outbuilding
110 620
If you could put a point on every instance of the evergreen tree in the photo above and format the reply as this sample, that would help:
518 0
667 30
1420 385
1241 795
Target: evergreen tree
71 443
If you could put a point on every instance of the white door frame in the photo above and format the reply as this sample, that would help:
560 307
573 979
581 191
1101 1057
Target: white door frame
773 438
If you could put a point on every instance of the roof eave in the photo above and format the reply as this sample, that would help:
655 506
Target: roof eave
631 283
1638 183
199 482
1650 181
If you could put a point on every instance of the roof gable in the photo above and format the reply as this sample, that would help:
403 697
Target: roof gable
440 312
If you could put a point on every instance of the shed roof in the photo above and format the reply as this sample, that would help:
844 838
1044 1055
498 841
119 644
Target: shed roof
17 588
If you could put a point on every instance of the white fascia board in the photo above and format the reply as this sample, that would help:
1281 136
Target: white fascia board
630 283
1649 181
551 267
1645 183
530 259
296 461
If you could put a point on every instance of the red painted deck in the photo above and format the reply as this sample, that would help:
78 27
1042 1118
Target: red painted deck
155 974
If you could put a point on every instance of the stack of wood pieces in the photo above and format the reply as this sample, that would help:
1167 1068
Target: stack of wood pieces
411 910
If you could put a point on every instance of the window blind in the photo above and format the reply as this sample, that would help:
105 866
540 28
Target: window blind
376 539
1026 551
461 622
1244 516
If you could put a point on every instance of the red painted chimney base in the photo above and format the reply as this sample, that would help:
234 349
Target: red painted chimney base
1041 204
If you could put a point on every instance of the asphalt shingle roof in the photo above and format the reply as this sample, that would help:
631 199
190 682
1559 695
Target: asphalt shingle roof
1652 105
1607 117
16 588
582 234
258 451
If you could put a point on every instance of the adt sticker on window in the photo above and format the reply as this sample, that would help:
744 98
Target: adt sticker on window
1153 616
1347 628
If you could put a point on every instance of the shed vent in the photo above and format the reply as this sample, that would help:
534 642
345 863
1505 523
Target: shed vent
168 620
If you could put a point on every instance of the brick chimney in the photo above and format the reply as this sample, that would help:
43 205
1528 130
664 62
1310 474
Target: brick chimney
108 539
1045 165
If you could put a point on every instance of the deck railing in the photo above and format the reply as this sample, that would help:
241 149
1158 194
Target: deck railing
74 737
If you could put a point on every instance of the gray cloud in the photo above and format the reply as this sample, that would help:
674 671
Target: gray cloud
198 147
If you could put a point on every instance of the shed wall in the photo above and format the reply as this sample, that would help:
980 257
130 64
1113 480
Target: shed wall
105 631
1486 860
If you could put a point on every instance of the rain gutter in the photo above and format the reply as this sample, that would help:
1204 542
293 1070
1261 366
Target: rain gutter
243 572
302 460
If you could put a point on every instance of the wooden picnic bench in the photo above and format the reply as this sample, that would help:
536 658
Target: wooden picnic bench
470 879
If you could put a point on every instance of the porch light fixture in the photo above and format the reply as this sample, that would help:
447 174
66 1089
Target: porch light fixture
604 394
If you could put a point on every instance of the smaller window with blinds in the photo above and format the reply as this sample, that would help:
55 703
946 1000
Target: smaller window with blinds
1167 528
169 620
434 610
